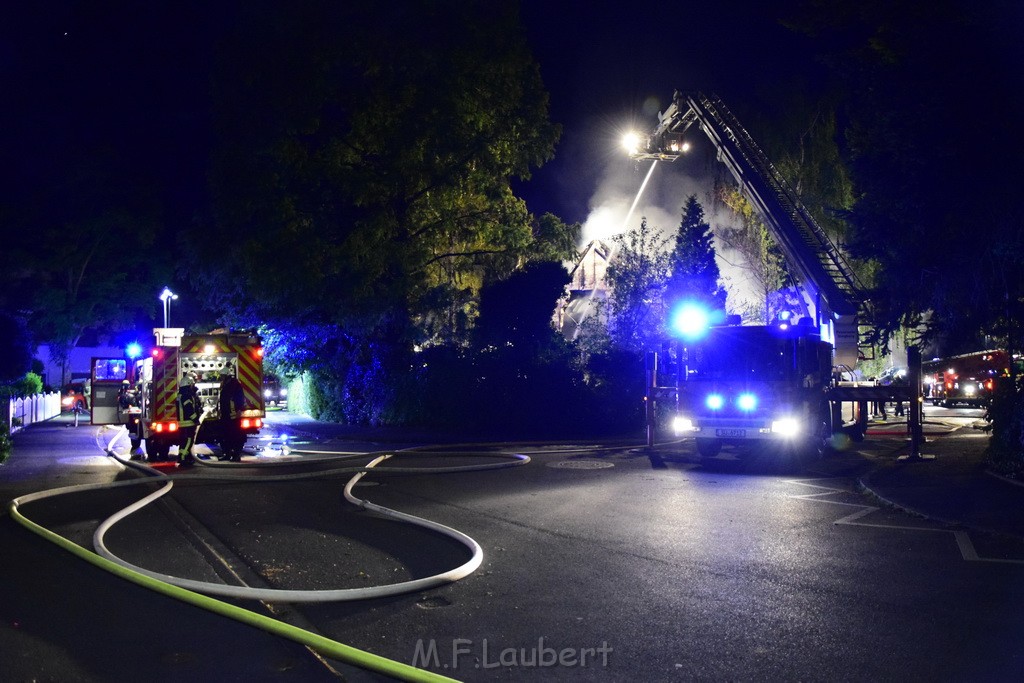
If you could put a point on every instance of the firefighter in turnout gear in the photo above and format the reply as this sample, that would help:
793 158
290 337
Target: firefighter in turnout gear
232 403
188 413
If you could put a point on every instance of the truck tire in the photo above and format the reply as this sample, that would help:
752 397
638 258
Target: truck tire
709 448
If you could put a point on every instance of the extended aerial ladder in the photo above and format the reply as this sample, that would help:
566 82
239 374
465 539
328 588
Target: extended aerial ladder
828 287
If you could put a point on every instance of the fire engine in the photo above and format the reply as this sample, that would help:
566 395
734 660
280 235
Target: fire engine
770 383
968 379
742 384
152 414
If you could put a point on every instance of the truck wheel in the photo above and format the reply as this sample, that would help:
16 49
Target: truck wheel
709 448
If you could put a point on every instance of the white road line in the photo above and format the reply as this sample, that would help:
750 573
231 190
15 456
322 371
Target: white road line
963 539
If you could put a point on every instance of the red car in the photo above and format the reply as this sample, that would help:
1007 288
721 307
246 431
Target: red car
73 397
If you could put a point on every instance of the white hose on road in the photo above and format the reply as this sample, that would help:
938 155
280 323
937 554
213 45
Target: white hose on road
286 595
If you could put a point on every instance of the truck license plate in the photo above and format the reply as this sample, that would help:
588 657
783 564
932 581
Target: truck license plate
731 433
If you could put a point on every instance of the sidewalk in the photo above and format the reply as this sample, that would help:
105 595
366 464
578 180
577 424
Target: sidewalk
955 487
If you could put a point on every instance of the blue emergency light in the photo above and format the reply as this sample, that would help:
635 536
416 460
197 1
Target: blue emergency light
133 350
691 321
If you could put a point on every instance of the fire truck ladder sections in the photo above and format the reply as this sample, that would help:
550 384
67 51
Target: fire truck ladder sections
818 262
817 259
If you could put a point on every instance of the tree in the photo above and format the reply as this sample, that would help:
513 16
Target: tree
937 211
516 312
759 256
363 182
924 194
694 274
373 160
636 278
82 255
15 348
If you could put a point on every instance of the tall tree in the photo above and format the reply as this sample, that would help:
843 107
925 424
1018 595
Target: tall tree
694 273
926 191
363 178
82 255
636 278
369 154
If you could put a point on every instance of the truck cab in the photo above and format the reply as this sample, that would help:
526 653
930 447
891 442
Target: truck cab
756 383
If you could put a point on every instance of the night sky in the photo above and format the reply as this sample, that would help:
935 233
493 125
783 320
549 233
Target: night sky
604 64
128 82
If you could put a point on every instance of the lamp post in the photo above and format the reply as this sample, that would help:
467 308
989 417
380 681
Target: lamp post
166 297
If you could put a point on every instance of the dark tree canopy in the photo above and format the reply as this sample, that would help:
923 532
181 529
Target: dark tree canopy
517 311
15 349
366 158
933 104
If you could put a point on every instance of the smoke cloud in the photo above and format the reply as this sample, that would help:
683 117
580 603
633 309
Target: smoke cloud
662 204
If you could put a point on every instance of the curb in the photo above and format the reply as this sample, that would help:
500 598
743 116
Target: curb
863 483
1012 482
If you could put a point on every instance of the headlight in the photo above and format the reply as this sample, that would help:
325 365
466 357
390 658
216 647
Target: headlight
786 426
67 400
969 389
714 401
284 392
747 401
266 393
682 424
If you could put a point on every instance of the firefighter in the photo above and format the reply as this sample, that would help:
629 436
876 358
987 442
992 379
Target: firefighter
188 413
129 411
232 402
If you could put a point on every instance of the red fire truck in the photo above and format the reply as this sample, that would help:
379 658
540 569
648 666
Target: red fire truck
152 412
967 379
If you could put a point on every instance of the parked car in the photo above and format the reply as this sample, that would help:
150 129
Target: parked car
74 396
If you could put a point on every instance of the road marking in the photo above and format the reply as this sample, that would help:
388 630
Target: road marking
963 540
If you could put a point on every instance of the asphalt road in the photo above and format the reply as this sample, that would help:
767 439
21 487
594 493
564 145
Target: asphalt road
600 564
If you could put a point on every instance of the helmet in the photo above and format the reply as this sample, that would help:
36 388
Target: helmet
227 371
187 381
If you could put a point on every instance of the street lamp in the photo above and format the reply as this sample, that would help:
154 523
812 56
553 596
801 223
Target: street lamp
166 297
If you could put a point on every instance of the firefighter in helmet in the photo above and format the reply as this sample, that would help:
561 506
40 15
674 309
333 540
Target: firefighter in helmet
188 418
232 403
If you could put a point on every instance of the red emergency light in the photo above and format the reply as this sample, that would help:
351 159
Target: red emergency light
160 427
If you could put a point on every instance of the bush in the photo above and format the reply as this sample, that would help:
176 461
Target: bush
1006 423
29 385
5 442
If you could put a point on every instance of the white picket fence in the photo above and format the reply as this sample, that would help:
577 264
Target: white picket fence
22 412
